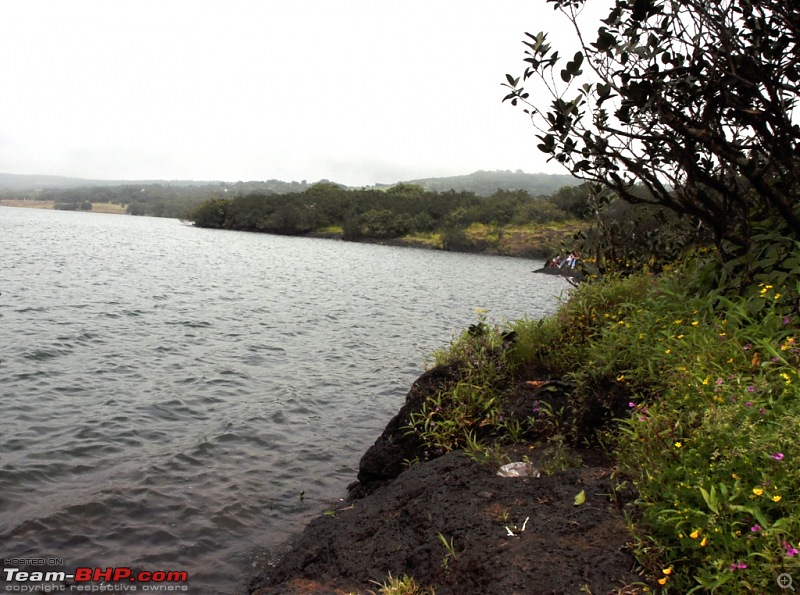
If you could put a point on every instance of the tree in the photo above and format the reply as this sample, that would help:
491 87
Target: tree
694 100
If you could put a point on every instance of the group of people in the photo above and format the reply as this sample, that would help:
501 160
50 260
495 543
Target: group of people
568 262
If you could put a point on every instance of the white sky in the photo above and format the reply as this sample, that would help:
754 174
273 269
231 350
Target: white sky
358 91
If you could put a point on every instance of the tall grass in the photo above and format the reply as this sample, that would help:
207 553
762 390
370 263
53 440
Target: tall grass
711 433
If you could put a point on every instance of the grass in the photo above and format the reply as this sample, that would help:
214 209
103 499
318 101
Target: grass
708 434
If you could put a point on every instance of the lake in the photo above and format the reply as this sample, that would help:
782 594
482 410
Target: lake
185 399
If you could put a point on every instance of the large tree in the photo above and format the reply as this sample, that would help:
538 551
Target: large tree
694 100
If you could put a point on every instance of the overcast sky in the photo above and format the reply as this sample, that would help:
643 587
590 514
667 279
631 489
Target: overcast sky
355 91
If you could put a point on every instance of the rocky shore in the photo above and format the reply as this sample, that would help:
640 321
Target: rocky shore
456 526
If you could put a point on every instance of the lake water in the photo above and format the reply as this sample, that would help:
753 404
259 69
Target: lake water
169 392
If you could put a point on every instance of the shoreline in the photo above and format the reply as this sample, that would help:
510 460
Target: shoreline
536 244
456 527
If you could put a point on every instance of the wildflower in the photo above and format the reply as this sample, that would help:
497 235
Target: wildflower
704 542
695 534
668 351
621 377
778 456
695 323
748 404
758 491
751 389
762 411
678 444
786 377
667 571
631 404
776 498
791 552
755 528
662 580
777 296
705 380
733 475
737 566
747 347
786 320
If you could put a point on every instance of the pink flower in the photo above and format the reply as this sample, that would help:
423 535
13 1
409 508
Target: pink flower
755 528
791 552
631 404
777 456
751 389
738 565
748 404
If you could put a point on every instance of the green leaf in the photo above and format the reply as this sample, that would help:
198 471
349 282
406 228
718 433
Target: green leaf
580 498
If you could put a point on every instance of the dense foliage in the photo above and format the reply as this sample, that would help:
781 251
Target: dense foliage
369 213
694 102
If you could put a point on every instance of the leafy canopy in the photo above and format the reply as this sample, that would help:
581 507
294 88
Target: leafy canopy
693 100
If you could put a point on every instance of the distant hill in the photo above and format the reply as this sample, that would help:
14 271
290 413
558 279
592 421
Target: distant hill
43 182
486 183
482 183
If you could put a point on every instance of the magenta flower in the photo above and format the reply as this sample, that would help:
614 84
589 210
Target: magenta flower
631 404
737 566
791 552
777 456
751 389
755 528
748 404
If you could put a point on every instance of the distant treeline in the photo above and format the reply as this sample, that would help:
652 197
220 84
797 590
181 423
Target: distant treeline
159 198
155 200
381 214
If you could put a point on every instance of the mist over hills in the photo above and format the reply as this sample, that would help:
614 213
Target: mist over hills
482 183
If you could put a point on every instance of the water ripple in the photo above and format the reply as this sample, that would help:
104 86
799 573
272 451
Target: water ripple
168 392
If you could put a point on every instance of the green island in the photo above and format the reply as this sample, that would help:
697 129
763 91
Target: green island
661 400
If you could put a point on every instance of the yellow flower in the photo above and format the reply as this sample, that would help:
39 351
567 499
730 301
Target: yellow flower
777 296
621 377
667 570
695 323
704 542
662 580
705 381
758 491
776 498
668 351
734 476
695 534
678 444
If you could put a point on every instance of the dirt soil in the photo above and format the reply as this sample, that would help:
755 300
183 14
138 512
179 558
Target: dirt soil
505 535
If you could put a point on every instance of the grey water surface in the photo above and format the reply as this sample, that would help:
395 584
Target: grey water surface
169 392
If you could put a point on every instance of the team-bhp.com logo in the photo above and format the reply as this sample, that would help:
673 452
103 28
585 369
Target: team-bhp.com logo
94 580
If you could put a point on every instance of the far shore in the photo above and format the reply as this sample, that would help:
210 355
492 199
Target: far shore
98 207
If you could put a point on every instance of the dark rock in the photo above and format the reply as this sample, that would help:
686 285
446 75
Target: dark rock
387 458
